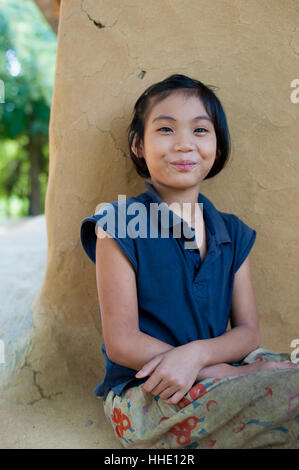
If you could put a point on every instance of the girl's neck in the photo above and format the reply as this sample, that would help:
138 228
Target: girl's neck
179 196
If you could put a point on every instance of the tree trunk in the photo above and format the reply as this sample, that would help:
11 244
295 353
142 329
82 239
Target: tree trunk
35 195
50 9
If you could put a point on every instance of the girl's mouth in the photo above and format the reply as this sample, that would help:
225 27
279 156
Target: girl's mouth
184 166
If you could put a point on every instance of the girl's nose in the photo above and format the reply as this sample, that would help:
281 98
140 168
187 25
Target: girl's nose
184 147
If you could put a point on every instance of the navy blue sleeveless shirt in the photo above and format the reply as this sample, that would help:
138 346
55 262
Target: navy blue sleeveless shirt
180 298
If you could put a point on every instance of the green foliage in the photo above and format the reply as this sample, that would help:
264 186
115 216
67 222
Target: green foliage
27 66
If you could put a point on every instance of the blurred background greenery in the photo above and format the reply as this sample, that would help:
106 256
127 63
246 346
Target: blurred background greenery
28 43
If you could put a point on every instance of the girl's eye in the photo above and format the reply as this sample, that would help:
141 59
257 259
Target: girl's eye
168 129
161 128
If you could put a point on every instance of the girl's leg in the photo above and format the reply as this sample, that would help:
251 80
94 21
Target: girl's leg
258 410
262 354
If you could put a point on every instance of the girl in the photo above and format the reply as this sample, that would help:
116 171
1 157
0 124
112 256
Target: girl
175 377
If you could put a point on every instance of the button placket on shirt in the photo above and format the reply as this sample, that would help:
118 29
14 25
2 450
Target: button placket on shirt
199 287
202 280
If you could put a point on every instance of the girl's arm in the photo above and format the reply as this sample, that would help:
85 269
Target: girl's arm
116 284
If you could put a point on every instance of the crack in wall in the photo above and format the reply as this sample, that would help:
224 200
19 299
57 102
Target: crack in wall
291 40
98 24
39 388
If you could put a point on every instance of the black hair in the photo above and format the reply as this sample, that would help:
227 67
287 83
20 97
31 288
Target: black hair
159 91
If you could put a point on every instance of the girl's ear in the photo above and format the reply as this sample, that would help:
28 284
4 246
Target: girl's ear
137 152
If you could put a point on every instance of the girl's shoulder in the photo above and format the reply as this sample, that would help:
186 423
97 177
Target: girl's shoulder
235 225
114 218
242 237
226 222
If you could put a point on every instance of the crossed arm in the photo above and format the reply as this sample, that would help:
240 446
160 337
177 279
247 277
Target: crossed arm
163 363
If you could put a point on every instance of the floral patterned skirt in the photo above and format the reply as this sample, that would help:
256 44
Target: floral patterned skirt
253 411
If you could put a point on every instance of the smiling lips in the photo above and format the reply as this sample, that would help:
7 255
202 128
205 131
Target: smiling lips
184 165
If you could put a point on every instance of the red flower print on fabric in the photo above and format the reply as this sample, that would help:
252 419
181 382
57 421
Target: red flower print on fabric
163 419
211 442
215 380
121 420
197 391
184 402
208 405
239 427
183 430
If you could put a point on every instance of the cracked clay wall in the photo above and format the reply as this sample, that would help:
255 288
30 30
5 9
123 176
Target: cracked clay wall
108 53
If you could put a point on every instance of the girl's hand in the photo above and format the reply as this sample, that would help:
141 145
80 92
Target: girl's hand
173 373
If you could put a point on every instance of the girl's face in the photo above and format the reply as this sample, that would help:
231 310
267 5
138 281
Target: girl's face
185 134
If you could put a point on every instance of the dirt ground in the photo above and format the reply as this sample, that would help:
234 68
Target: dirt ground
70 419
62 422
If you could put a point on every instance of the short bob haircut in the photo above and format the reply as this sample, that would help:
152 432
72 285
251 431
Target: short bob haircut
159 91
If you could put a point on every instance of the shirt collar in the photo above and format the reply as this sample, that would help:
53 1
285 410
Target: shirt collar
212 216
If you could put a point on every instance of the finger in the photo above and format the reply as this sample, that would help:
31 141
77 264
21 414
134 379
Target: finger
151 383
162 387
148 367
294 365
167 393
175 398
286 364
